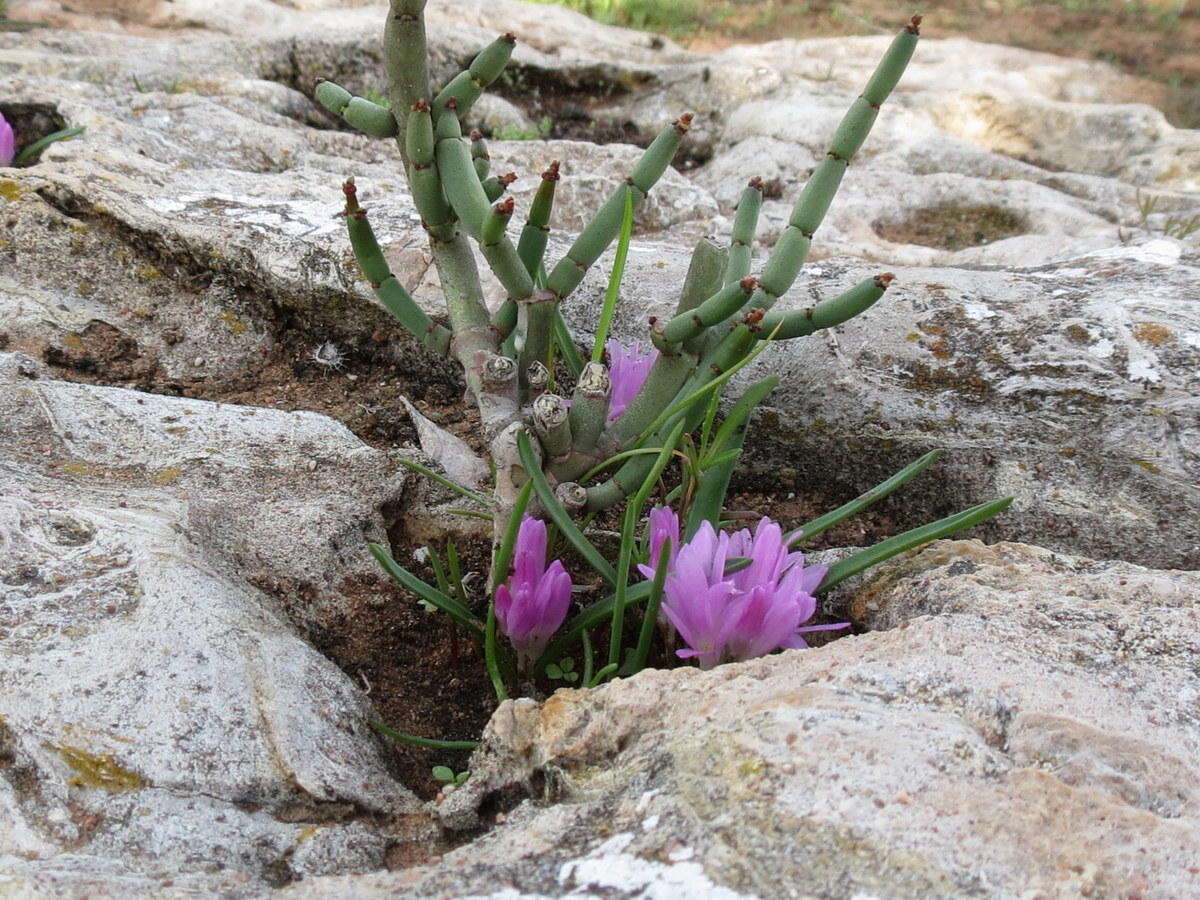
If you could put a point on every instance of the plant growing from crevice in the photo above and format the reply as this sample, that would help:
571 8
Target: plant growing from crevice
31 153
563 454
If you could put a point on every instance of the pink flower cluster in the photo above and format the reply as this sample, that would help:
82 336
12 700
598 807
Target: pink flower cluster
749 613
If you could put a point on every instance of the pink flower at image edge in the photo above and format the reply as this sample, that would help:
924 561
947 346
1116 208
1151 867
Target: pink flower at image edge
534 601
8 143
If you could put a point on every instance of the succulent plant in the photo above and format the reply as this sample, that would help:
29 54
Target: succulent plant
543 441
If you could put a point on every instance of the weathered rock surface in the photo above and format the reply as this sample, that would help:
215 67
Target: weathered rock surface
160 712
1073 387
1014 723
198 219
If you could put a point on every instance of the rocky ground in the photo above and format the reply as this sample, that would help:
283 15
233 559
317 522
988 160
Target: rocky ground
182 539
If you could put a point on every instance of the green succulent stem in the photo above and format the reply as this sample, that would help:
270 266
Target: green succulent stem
745 226
390 292
704 275
535 325
589 406
468 86
357 112
480 155
795 323
423 179
667 376
791 250
494 186
461 185
602 229
532 245
716 309
406 56
552 423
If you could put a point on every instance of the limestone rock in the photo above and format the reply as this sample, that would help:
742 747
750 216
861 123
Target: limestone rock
160 710
1012 723
1072 387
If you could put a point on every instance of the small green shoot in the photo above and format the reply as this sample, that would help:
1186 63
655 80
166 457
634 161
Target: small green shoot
563 670
447 775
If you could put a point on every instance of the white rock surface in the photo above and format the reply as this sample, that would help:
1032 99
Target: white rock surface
160 715
1073 387
1015 723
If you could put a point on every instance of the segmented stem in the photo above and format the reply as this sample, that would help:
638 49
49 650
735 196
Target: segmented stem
810 208
391 293
602 229
717 308
532 245
357 112
745 226
406 57
468 86
795 323
479 154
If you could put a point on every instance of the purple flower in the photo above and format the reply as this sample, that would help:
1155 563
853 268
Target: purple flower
744 614
663 524
8 143
628 370
534 601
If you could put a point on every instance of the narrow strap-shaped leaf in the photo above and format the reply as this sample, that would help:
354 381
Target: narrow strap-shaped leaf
34 150
917 537
439 572
559 514
614 279
443 480
588 658
602 674
713 486
617 458
638 661
422 741
566 345
633 512
624 561
489 652
746 404
682 404
660 463
810 530
589 618
448 605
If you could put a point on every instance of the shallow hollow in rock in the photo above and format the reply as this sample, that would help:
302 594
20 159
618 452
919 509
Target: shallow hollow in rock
32 121
953 227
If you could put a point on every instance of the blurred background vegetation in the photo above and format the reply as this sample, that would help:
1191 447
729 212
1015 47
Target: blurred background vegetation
1158 40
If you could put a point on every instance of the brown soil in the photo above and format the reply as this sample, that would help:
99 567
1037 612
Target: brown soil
1158 40
953 227
364 393
424 675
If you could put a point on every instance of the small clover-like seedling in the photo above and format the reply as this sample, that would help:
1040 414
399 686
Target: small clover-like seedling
446 774
563 670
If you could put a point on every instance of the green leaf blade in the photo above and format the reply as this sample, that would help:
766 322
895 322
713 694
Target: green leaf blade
427 592
912 539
